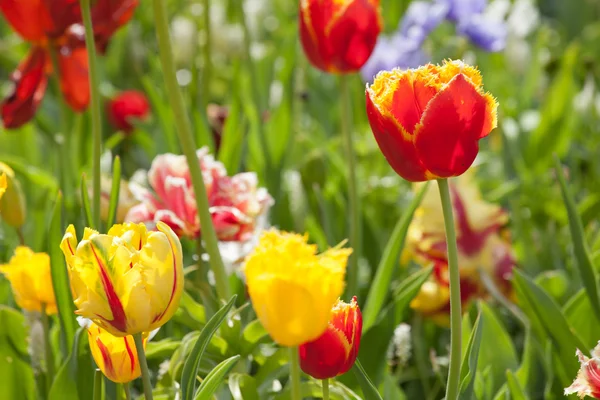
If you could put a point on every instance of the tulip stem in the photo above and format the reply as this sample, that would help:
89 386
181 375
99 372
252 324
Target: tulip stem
186 140
295 373
49 357
98 384
325 383
352 272
95 109
455 306
126 390
207 55
139 346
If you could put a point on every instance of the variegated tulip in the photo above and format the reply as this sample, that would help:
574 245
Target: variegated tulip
127 281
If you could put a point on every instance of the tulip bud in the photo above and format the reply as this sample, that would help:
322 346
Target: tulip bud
12 202
587 382
335 351
31 280
126 107
339 36
115 356
127 281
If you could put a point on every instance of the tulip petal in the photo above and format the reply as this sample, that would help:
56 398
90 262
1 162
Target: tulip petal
108 16
352 34
325 357
59 15
74 83
447 137
25 17
30 85
395 143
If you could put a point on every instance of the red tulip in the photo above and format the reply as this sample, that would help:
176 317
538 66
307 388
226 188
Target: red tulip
428 121
339 36
127 106
55 25
335 351
587 382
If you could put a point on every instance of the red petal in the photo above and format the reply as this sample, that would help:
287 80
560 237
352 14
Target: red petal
313 17
25 17
60 14
395 143
324 357
30 85
110 15
74 82
353 34
454 121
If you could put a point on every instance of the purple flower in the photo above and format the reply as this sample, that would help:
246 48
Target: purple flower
488 34
458 10
421 18
396 51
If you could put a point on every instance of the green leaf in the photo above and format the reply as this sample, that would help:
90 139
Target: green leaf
253 334
499 350
60 279
468 369
582 252
407 290
16 375
314 389
388 263
114 192
369 390
581 318
64 386
215 378
514 387
85 202
541 308
243 387
162 349
190 368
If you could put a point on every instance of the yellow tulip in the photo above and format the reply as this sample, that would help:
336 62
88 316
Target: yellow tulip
292 288
127 281
115 356
31 280
12 200
3 184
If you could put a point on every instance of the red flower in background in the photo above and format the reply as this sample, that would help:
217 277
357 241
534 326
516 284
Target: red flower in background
335 351
127 106
55 26
338 36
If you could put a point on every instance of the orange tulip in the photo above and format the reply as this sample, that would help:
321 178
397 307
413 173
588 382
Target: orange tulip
428 121
338 36
55 26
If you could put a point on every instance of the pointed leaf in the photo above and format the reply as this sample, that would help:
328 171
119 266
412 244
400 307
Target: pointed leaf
582 252
388 263
369 390
85 202
64 386
215 378
190 368
469 363
114 192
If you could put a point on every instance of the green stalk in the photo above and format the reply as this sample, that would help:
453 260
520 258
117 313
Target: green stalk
49 357
325 383
186 140
354 208
139 346
207 75
126 390
295 373
455 306
97 384
95 109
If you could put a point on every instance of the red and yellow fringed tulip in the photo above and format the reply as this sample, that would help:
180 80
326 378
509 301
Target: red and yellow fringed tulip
115 356
338 36
292 288
31 280
428 121
335 351
127 281
587 382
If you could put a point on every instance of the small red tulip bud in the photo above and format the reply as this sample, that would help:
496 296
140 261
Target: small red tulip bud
335 351
125 108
